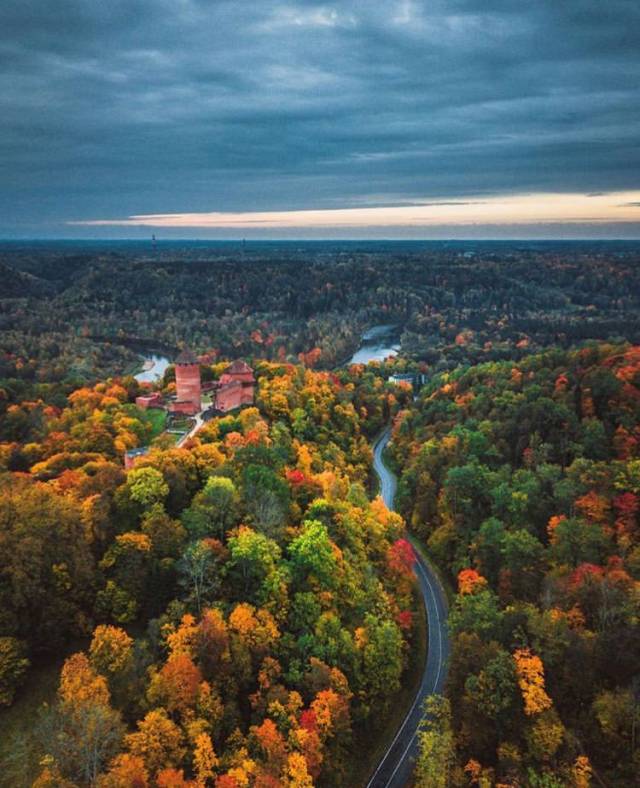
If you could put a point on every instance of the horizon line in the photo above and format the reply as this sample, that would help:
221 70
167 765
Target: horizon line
365 239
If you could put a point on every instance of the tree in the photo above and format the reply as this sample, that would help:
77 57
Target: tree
470 581
46 564
618 715
382 662
313 553
158 741
125 771
127 564
197 570
545 735
13 667
253 558
478 613
523 555
272 744
166 534
212 644
147 486
176 685
530 673
492 690
214 509
111 650
436 745
266 497
466 490
205 760
81 732
296 773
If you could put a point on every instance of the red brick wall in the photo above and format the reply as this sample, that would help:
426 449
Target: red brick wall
247 395
188 384
242 377
188 407
229 398
149 400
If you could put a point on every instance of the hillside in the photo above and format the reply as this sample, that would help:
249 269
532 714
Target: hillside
523 479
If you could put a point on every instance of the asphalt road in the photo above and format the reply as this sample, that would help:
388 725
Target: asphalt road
396 766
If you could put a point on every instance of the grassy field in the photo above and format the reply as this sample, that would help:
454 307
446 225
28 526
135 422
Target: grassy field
157 418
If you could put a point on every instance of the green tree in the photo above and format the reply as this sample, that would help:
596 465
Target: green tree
253 558
147 486
314 554
214 509
382 661
436 745
493 691
266 497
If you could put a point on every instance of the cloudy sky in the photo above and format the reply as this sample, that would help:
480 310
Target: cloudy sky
362 118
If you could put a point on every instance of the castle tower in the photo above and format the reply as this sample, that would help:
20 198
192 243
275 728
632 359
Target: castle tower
188 383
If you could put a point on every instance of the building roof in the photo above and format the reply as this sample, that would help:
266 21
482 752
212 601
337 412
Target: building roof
186 357
137 452
238 368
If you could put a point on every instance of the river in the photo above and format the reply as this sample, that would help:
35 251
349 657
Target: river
153 368
378 343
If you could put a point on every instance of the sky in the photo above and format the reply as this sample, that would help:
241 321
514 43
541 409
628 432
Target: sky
349 119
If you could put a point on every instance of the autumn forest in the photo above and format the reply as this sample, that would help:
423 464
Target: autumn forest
240 609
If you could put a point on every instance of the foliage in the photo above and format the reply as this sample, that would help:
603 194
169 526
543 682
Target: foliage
247 605
521 478
13 667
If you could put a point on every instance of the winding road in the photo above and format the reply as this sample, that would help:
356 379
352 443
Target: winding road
396 766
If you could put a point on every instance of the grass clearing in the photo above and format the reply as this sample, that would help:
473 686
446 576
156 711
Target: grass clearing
157 418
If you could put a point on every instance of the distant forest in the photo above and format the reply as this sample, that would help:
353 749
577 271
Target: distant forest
72 315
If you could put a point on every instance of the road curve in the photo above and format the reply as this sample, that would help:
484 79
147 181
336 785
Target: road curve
396 765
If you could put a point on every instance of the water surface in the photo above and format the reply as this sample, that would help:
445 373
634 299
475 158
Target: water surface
155 366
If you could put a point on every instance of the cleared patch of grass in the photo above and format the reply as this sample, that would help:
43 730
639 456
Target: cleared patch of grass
157 418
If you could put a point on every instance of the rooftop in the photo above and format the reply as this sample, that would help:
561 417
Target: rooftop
186 357
238 368
137 452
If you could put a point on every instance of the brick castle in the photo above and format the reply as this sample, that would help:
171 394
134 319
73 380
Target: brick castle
235 388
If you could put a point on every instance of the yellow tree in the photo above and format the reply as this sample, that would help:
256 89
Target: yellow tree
158 741
530 673
205 761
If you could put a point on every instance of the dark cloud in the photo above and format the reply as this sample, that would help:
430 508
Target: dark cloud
158 106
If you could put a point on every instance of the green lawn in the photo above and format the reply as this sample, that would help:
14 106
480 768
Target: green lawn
157 418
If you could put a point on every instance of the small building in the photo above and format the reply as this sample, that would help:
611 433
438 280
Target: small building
413 378
151 400
133 455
